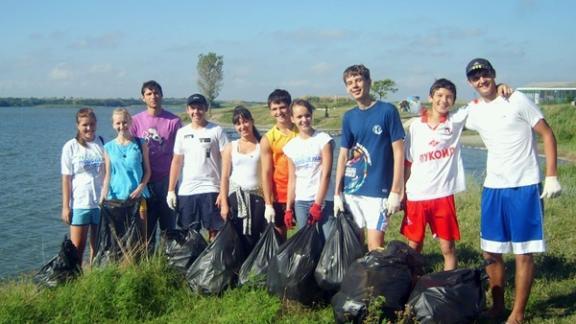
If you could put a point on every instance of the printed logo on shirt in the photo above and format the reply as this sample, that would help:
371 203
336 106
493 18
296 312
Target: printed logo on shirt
204 140
151 135
356 170
92 165
437 154
377 129
433 143
445 131
189 136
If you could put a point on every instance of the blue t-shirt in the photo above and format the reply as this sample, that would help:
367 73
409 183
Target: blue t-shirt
126 170
368 136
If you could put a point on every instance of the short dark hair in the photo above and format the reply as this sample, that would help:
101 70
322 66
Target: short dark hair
279 95
152 85
357 69
443 84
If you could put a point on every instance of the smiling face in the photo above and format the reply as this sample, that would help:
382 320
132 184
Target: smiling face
279 110
121 123
442 100
86 128
197 114
302 118
483 81
244 127
358 87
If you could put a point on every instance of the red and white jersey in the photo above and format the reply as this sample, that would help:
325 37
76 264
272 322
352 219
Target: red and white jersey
506 129
435 156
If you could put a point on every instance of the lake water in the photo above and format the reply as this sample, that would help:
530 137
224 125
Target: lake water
30 194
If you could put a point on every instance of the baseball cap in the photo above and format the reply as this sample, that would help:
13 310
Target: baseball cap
479 64
197 99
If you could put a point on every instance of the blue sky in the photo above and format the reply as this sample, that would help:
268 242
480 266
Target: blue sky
104 48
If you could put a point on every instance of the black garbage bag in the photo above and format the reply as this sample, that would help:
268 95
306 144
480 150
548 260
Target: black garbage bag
341 249
182 247
455 296
254 270
216 269
120 232
388 273
62 268
291 271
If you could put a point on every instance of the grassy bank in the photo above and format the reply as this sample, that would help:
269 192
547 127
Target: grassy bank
328 116
152 293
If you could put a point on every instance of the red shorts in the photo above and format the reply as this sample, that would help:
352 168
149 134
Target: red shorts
440 213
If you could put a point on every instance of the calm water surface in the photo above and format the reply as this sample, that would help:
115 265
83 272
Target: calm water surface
30 147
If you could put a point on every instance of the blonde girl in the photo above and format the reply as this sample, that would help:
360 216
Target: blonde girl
127 164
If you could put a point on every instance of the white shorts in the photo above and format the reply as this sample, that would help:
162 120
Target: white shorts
368 212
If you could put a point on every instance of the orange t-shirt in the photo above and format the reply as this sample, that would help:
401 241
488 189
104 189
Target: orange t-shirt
277 140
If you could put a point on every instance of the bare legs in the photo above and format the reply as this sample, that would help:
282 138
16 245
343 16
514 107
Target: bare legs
448 249
524 276
79 235
375 239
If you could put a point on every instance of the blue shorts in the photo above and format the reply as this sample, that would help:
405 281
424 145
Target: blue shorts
85 216
197 211
512 220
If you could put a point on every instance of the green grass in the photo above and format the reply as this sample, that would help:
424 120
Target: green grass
152 293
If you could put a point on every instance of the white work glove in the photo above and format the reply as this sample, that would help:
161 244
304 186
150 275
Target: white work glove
393 204
552 188
338 205
171 200
269 213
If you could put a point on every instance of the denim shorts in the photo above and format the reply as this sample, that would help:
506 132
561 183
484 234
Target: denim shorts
85 216
302 208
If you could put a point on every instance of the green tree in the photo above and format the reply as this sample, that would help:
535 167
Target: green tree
383 87
210 75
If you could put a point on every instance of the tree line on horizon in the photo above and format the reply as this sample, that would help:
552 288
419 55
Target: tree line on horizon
104 102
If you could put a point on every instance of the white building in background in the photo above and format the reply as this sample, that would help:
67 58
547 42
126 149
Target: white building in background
551 93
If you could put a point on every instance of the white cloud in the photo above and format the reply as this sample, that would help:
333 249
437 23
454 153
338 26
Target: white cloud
100 68
321 68
60 73
107 40
312 35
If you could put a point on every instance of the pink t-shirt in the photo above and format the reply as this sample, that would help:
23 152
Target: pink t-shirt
159 132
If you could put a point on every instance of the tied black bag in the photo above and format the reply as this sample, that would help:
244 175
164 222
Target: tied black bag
62 268
182 247
291 271
455 296
216 269
386 272
255 269
341 249
120 232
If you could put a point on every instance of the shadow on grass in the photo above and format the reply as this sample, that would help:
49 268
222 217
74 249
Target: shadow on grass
556 306
468 257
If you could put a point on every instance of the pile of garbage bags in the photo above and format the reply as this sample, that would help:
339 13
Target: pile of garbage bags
304 268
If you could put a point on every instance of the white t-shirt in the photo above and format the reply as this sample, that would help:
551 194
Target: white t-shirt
435 153
506 129
202 159
306 154
245 168
86 166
